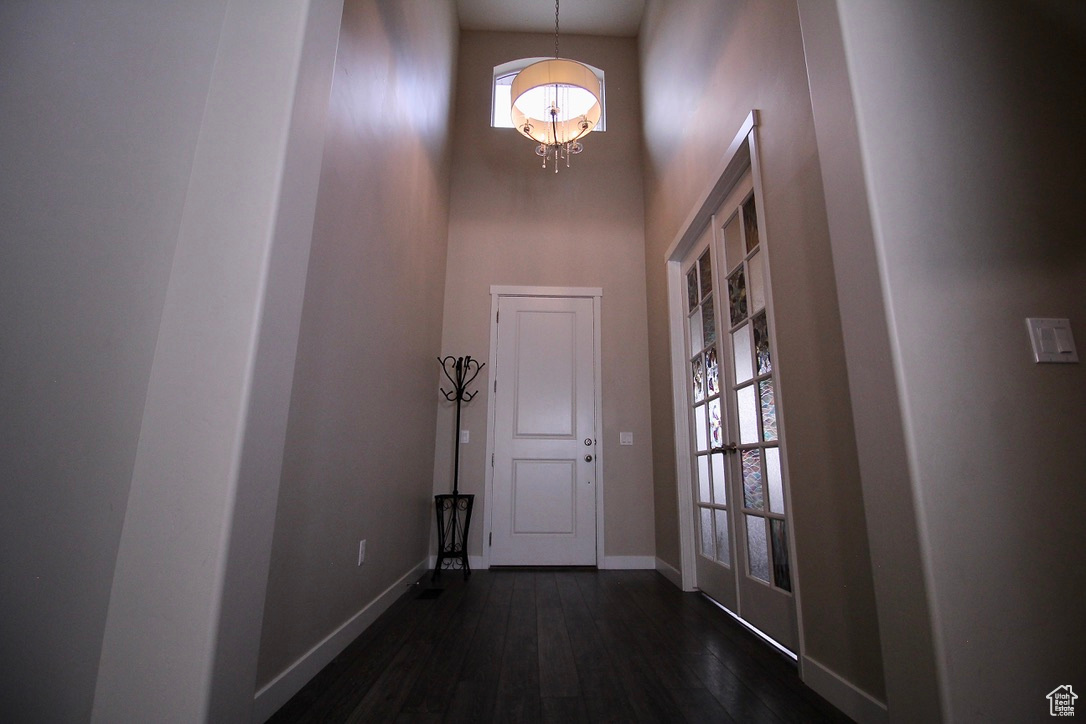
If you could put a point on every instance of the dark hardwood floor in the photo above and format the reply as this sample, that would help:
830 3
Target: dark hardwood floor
556 646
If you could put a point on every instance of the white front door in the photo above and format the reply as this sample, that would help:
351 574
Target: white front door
544 491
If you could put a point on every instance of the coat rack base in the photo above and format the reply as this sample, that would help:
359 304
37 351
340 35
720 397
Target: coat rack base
453 523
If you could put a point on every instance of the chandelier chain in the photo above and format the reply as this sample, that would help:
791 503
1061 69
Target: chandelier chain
555 28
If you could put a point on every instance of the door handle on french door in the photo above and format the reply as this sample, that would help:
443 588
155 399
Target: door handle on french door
588 458
729 448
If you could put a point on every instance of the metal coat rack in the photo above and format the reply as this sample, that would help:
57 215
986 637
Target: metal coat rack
454 511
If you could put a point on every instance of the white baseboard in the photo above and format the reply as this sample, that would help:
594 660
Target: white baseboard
858 704
290 681
670 573
627 563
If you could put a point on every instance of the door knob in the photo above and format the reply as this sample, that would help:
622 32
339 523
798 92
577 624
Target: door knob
588 458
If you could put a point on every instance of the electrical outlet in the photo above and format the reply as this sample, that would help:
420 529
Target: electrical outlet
465 437
361 552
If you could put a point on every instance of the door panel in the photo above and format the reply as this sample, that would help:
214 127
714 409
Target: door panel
544 510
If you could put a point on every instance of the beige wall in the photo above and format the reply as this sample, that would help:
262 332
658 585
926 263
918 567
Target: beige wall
359 451
708 65
969 127
512 223
158 194
88 234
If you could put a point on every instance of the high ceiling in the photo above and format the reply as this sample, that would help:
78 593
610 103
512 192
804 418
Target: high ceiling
579 17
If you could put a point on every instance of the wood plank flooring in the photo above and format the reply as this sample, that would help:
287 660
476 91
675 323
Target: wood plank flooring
556 646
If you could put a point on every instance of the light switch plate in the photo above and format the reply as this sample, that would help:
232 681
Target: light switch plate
625 438
1052 340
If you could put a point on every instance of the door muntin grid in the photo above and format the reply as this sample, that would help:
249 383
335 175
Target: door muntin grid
705 376
750 381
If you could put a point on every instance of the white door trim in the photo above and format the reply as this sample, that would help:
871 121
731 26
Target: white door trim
733 165
596 294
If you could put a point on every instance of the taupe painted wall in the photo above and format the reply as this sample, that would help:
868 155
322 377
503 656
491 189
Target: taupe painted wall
705 65
969 126
512 223
358 460
100 109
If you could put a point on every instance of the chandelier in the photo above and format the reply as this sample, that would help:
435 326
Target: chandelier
556 103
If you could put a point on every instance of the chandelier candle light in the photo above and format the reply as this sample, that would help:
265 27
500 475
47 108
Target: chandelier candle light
556 103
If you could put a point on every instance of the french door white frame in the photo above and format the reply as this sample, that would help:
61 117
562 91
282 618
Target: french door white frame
496 293
742 154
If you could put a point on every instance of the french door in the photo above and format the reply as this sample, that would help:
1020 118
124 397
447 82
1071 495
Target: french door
742 557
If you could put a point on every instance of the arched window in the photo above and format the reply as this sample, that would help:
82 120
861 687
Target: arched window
503 83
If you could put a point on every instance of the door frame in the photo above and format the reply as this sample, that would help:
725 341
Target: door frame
742 153
595 294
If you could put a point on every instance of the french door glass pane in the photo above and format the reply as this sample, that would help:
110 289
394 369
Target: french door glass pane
752 479
737 296
716 431
757 547
769 409
699 427
697 377
733 242
757 283
744 370
706 273
704 483
761 345
748 414
691 289
720 497
706 532
782 574
712 375
723 546
708 323
773 477
750 221
696 339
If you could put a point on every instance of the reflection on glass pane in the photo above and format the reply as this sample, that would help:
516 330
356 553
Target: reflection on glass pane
691 289
769 410
782 575
697 376
706 274
757 282
750 221
761 345
757 549
723 547
748 414
773 477
712 378
695 332
706 532
708 316
716 431
720 497
733 242
703 479
737 296
741 348
699 428
752 479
